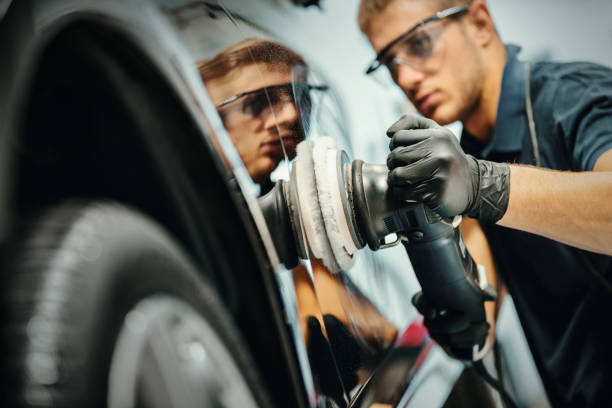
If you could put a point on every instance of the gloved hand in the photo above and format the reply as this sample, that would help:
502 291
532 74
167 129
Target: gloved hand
453 330
428 165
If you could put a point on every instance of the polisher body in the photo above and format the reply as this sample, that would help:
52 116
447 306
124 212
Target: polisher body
339 206
454 289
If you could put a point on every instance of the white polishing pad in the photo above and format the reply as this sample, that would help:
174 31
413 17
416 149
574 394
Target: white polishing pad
325 161
309 209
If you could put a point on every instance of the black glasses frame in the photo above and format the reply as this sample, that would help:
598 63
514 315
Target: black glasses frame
264 89
449 12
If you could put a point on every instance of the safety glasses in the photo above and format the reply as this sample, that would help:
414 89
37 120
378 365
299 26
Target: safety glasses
253 104
416 45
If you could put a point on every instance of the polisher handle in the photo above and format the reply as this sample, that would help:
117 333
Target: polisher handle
447 273
450 280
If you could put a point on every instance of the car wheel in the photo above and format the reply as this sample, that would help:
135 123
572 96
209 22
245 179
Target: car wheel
99 306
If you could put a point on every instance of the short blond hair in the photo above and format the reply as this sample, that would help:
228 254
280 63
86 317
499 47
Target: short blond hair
368 9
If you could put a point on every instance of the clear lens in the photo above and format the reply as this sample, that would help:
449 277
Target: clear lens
415 49
256 104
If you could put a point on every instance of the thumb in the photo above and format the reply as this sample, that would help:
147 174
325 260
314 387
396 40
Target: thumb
411 121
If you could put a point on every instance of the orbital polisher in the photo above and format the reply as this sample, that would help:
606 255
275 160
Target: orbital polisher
331 207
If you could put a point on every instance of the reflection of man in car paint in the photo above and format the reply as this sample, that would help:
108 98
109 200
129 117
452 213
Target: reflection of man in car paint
250 83
243 81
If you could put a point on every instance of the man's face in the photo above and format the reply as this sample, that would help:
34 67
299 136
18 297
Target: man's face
261 134
447 85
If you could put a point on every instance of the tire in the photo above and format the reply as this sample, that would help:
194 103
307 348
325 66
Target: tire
96 291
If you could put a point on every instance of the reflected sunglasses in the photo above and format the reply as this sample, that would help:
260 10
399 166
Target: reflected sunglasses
253 103
416 44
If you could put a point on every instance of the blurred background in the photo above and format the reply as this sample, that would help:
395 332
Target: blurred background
330 38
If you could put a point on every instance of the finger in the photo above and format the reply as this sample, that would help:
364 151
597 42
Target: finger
411 121
467 337
405 155
412 174
420 192
421 304
402 177
409 137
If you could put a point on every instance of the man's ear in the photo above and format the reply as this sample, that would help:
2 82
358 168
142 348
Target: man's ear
481 23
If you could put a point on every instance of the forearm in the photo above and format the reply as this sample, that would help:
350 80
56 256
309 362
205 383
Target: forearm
427 165
573 208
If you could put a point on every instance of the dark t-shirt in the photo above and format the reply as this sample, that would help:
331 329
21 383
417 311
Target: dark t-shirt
566 312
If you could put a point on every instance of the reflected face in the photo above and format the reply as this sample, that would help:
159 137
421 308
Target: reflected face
447 84
263 125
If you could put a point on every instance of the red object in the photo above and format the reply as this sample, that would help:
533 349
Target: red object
414 335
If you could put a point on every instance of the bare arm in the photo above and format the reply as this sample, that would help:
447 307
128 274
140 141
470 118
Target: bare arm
573 208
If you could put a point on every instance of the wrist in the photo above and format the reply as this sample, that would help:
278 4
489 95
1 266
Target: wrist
492 190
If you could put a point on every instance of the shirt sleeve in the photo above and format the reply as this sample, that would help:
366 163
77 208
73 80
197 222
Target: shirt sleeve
582 112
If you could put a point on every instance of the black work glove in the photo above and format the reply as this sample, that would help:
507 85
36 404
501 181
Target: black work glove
428 165
453 330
